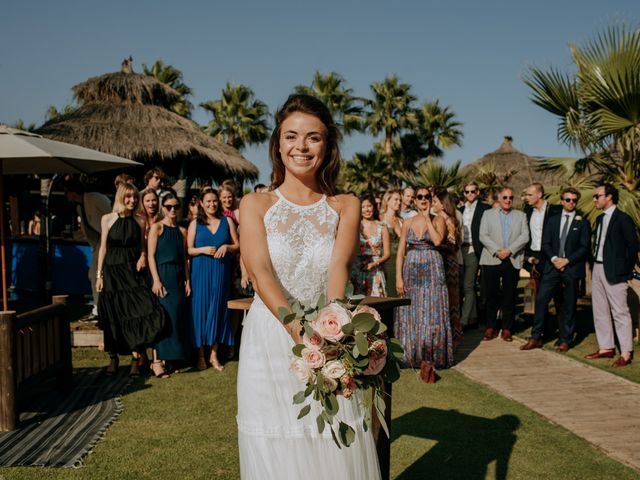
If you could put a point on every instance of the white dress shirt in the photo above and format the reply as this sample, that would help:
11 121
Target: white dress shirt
603 232
535 226
563 220
467 219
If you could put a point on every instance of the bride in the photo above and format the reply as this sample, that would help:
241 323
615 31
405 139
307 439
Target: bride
297 242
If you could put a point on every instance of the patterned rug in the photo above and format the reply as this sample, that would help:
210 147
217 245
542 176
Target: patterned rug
58 429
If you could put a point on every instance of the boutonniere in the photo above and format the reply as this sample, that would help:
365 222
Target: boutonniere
577 218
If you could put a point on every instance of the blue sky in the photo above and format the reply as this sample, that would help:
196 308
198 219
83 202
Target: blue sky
469 54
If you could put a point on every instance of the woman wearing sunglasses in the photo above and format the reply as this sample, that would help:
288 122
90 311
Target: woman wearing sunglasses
423 327
170 272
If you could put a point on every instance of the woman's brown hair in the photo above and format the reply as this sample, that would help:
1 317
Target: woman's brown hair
327 174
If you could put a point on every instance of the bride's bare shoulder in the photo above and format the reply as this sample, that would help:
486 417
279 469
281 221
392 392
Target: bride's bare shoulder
344 203
257 203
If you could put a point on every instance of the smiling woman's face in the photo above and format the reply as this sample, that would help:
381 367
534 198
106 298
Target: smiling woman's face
303 143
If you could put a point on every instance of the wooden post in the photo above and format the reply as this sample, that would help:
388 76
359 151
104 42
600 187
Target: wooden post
8 414
65 374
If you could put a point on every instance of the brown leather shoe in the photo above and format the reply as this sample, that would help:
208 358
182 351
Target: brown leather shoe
621 362
489 334
598 354
506 335
531 344
563 347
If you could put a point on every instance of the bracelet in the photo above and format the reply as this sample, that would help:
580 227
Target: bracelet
99 274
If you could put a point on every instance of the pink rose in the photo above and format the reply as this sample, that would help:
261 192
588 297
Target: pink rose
367 309
378 348
376 364
313 358
301 370
314 342
330 321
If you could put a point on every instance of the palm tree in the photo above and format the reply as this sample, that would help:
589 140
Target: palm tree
365 172
434 173
390 110
53 113
437 128
599 111
346 109
171 76
238 118
490 180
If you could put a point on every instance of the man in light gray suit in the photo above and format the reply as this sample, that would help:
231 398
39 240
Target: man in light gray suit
504 234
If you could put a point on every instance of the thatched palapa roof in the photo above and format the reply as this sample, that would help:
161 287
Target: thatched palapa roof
507 159
127 114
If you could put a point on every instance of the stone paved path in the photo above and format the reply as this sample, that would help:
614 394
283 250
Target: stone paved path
598 406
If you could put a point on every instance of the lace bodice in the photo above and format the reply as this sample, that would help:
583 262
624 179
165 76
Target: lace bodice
300 240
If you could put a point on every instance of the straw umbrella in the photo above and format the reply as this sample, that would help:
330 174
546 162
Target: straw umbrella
520 168
28 153
127 114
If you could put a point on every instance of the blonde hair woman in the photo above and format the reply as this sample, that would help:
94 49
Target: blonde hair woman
390 216
130 314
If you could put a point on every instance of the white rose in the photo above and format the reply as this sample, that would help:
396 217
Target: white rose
334 369
313 358
368 309
301 370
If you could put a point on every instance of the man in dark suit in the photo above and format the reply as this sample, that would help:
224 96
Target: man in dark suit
566 245
472 211
615 255
538 212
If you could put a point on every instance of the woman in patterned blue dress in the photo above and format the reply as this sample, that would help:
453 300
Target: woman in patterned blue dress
211 239
423 327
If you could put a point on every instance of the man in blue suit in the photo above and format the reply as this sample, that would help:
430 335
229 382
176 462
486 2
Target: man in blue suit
566 244
615 255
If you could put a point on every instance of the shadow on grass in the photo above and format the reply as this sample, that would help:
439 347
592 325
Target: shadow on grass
465 447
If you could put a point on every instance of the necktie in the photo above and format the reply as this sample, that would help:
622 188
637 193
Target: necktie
563 235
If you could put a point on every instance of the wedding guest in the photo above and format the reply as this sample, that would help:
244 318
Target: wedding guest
407 208
367 274
35 224
211 241
616 251
566 245
504 234
538 212
153 179
90 207
123 178
228 202
169 269
444 206
390 216
149 212
472 211
130 316
423 327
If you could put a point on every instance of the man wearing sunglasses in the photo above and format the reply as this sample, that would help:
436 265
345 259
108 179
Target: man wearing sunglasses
566 245
471 248
504 234
615 254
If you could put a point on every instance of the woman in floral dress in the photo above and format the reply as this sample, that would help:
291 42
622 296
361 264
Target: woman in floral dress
367 274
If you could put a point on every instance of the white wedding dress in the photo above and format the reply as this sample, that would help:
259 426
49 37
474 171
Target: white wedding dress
273 443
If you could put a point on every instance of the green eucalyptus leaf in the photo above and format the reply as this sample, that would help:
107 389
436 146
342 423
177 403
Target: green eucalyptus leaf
308 329
320 423
347 328
335 438
304 411
362 343
289 318
365 425
283 312
347 434
309 389
299 397
297 349
363 322
348 291
322 300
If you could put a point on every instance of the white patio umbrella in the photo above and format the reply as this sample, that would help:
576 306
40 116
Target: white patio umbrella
28 153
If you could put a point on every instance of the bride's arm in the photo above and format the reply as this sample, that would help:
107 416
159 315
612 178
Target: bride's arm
256 258
345 246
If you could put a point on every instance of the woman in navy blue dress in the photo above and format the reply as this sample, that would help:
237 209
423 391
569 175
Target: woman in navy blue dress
211 239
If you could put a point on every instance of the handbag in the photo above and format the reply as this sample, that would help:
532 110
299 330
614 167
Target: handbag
428 372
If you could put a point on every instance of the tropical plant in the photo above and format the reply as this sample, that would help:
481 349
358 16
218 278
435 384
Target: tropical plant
53 113
238 118
437 128
171 76
390 110
490 180
434 173
598 109
20 125
365 172
346 109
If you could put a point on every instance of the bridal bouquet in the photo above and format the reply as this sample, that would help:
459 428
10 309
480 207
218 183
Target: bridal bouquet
345 348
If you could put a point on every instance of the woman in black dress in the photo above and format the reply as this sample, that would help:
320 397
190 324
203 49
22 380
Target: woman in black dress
130 315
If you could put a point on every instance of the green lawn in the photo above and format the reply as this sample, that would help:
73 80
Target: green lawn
184 427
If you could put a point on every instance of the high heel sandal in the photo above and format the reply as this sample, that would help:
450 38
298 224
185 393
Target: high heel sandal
112 368
215 363
157 368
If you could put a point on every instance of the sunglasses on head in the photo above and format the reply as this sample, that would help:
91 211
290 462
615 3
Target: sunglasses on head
172 207
507 197
423 197
570 200
470 191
